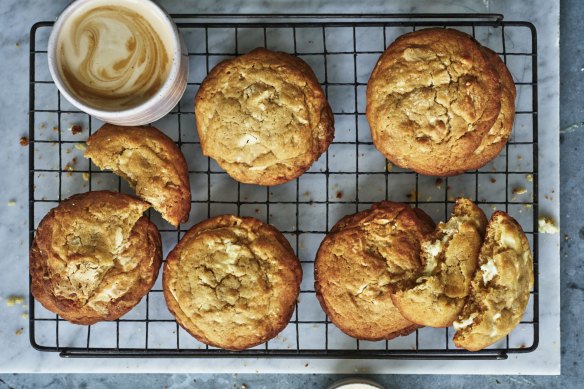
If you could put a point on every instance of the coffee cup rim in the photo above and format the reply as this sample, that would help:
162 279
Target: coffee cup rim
115 115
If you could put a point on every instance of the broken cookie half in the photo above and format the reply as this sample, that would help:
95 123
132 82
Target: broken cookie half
500 287
152 164
449 257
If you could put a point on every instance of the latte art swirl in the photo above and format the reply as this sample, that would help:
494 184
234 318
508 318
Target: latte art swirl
113 58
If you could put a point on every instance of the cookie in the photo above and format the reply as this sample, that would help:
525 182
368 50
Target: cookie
431 99
263 117
449 257
358 261
152 164
94 257
232 282
500 287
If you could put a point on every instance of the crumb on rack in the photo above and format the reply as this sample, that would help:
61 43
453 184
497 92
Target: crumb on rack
19 331
493 207
339 194
439 182
529 177
257 210
85 176
493 180
389 166
24 315
56 128
547 225
528 206
76 129
413 195
23 141
14 300
11 203
43 125
80 146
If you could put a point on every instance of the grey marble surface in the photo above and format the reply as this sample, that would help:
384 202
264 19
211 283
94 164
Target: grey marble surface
16 18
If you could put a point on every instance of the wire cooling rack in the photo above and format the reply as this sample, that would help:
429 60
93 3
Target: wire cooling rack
342 50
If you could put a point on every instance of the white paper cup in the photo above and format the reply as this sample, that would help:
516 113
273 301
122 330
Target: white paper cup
159 104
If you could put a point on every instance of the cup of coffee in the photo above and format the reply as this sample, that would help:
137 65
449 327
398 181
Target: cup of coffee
121 61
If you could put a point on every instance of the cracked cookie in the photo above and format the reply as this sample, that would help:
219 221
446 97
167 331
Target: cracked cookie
232 282
150 161
94 257
263 117
500 287
449 257
357 262
431 99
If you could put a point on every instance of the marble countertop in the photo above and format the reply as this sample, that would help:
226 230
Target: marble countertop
18 356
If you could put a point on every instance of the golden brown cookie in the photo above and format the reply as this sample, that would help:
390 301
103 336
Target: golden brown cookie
500 287
232 282
94 257
449 257
358 260
431 99
263 117
150 161
497 137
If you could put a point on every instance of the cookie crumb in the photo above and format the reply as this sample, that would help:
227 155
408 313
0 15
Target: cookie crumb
339 194
493 180
76 129
412 195
80 146
43 125
529 177
19 331
23 141
24 315
306 194
389 166
306 365
11 203
547 225
56 128
85 176
527 206
519 191
14 300
439 182
519 157
257 210
493 207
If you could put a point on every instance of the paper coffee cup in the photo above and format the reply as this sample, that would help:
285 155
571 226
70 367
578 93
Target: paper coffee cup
133 90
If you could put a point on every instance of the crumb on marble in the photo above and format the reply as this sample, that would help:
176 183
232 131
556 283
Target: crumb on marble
11 203
14 300
529 177
56 128
24 315
80 146
76 129
519 190
23 141
19 331
546 225
339 194
493 180
520 157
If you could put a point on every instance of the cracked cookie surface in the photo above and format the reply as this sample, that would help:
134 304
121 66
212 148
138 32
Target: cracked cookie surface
500 287
449 258
94 257
263 117
431 99
358 260
150 161
232 282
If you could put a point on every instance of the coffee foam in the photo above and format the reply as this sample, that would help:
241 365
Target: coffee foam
114 55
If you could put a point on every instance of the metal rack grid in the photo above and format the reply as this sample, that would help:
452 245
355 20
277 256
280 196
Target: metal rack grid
342 49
